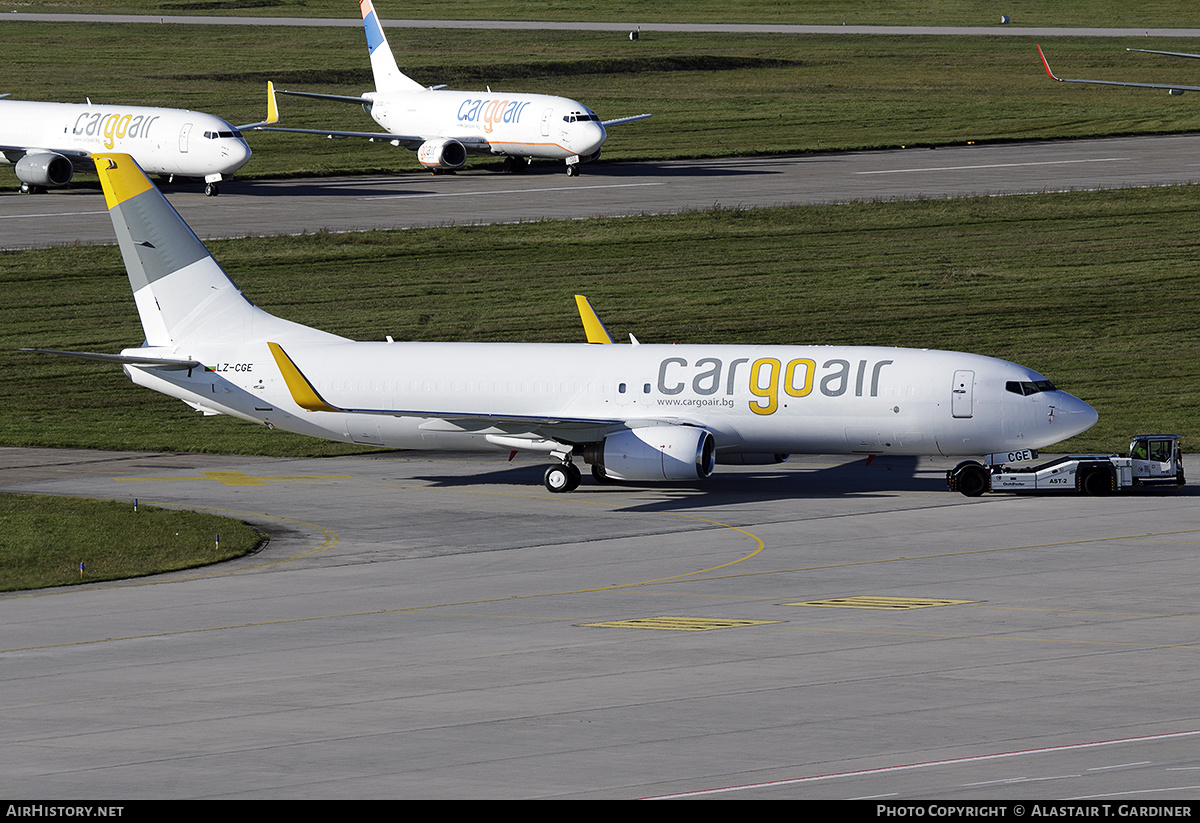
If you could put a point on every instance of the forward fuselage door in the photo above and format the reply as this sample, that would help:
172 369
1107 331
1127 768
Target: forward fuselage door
183 137
962 398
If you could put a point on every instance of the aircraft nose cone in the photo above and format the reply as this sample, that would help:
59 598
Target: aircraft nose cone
1072 414
244 153
234 155
589 138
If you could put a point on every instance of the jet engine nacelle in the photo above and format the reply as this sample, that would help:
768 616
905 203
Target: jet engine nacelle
656 453
443 153
44 168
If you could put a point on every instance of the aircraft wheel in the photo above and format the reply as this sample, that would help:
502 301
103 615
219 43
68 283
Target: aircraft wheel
973 481
211 189
572 171
562 477
600 475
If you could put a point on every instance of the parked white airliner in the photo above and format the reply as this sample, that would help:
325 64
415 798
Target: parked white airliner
635 412
443 126
49 142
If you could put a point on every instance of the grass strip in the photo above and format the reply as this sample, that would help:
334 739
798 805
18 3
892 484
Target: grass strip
1097 290
712 95
43 540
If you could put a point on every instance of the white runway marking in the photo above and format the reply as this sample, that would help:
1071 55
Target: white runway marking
54 214
910 766
998 165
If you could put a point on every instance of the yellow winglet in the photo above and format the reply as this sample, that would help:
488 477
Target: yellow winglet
120 177
596 333
272 106
303 393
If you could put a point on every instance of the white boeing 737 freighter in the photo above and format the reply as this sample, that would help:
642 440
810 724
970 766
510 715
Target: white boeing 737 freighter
635 412
443 125
48 142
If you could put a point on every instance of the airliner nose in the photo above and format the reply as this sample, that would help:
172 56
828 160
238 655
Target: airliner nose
1071 414
588 138
236 153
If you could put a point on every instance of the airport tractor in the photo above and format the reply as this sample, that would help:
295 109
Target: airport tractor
1154 460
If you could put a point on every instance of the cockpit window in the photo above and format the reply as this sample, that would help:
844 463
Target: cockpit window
580 118
1028 387
215 135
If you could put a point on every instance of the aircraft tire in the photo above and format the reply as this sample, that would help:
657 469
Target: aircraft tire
973 481
600 475
572 171
562 477
211 189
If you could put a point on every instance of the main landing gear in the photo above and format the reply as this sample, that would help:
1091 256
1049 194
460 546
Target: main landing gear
516 165
563 477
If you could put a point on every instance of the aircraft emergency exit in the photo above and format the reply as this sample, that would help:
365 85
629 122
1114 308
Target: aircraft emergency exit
48 142
1170 89
443 126
635 412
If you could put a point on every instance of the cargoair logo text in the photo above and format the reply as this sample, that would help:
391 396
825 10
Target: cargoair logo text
768 378
491 112
114 126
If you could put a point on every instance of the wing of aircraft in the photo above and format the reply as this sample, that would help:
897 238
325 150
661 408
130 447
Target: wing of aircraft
409 141
634 412
1170 88
621 120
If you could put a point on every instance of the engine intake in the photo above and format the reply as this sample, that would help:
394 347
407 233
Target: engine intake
44 168
655 453
442 154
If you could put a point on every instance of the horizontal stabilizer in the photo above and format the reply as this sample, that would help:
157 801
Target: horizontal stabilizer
152 362
1167 53
341 98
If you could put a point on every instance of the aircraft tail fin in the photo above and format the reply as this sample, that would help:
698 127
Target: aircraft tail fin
388 77
182 293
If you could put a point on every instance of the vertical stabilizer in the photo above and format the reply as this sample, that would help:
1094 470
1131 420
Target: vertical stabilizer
388 77
182 293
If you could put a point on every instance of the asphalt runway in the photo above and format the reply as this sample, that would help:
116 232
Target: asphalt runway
413 200
436 625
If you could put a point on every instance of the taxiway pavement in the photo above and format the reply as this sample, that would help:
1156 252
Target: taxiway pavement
439 625
256 208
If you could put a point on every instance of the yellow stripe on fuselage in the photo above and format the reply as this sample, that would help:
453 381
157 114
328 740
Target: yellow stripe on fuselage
120 178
